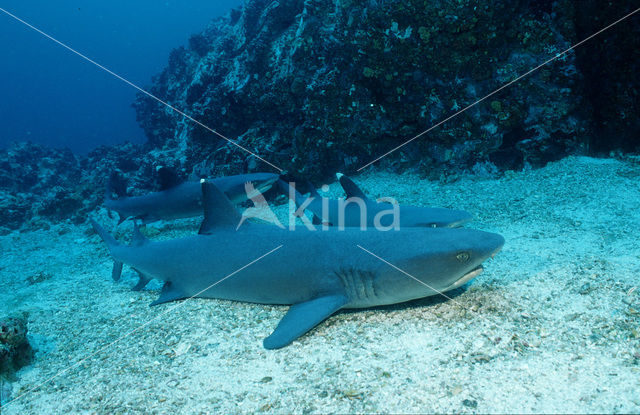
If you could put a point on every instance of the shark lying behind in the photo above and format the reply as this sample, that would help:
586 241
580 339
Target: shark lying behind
184 200
316 272
360 211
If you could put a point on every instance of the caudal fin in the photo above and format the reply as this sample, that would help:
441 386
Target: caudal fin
291 192
106 236
111 243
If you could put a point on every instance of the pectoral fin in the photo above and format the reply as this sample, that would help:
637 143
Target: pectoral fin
302 317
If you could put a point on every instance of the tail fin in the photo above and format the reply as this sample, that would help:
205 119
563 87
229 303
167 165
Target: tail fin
118 185
287 190
106 236
300 200
111 243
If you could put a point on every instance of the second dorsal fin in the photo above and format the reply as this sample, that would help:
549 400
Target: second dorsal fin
218 209
350 188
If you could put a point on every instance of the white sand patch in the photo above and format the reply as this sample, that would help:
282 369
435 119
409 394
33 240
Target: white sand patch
552 325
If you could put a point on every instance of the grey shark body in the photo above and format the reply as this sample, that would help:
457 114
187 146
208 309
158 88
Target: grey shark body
184 200
316 272
360 211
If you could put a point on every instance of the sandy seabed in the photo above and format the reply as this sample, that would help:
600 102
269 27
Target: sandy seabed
552 325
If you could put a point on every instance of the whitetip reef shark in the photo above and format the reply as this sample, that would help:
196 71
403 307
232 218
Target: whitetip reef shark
360 211
315 272
180 200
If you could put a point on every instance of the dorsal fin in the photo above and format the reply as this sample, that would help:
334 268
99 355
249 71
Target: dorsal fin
218 210
350 188
138 239
167 178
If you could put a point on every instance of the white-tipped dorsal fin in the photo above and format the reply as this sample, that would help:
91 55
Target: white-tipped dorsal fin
350 188
218 209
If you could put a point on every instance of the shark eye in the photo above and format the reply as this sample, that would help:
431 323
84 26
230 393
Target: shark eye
462 256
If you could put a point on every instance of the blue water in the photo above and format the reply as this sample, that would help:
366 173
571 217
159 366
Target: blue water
49 95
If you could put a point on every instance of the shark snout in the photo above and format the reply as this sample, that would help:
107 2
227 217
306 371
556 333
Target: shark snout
460 218
444 218
488 245
267 181
498 243
485 245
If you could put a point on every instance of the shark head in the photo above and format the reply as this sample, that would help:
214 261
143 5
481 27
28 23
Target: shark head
467 260
439 218
438 261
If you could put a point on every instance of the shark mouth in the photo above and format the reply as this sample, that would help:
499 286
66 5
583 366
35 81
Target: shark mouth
466 277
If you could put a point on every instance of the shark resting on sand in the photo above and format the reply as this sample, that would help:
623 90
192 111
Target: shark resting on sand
315 272
180 200
360 211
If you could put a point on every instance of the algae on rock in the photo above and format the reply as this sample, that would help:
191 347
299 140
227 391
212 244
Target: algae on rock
317 86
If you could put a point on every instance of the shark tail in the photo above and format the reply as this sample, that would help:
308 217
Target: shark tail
290 191
111 243
299 199
117 185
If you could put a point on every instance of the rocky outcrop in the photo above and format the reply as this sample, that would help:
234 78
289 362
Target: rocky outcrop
35 180
39 185
610 66
15 350
318 86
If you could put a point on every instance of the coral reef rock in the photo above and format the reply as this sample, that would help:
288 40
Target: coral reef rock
317 86
36 180
15 350
320 86
40 185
